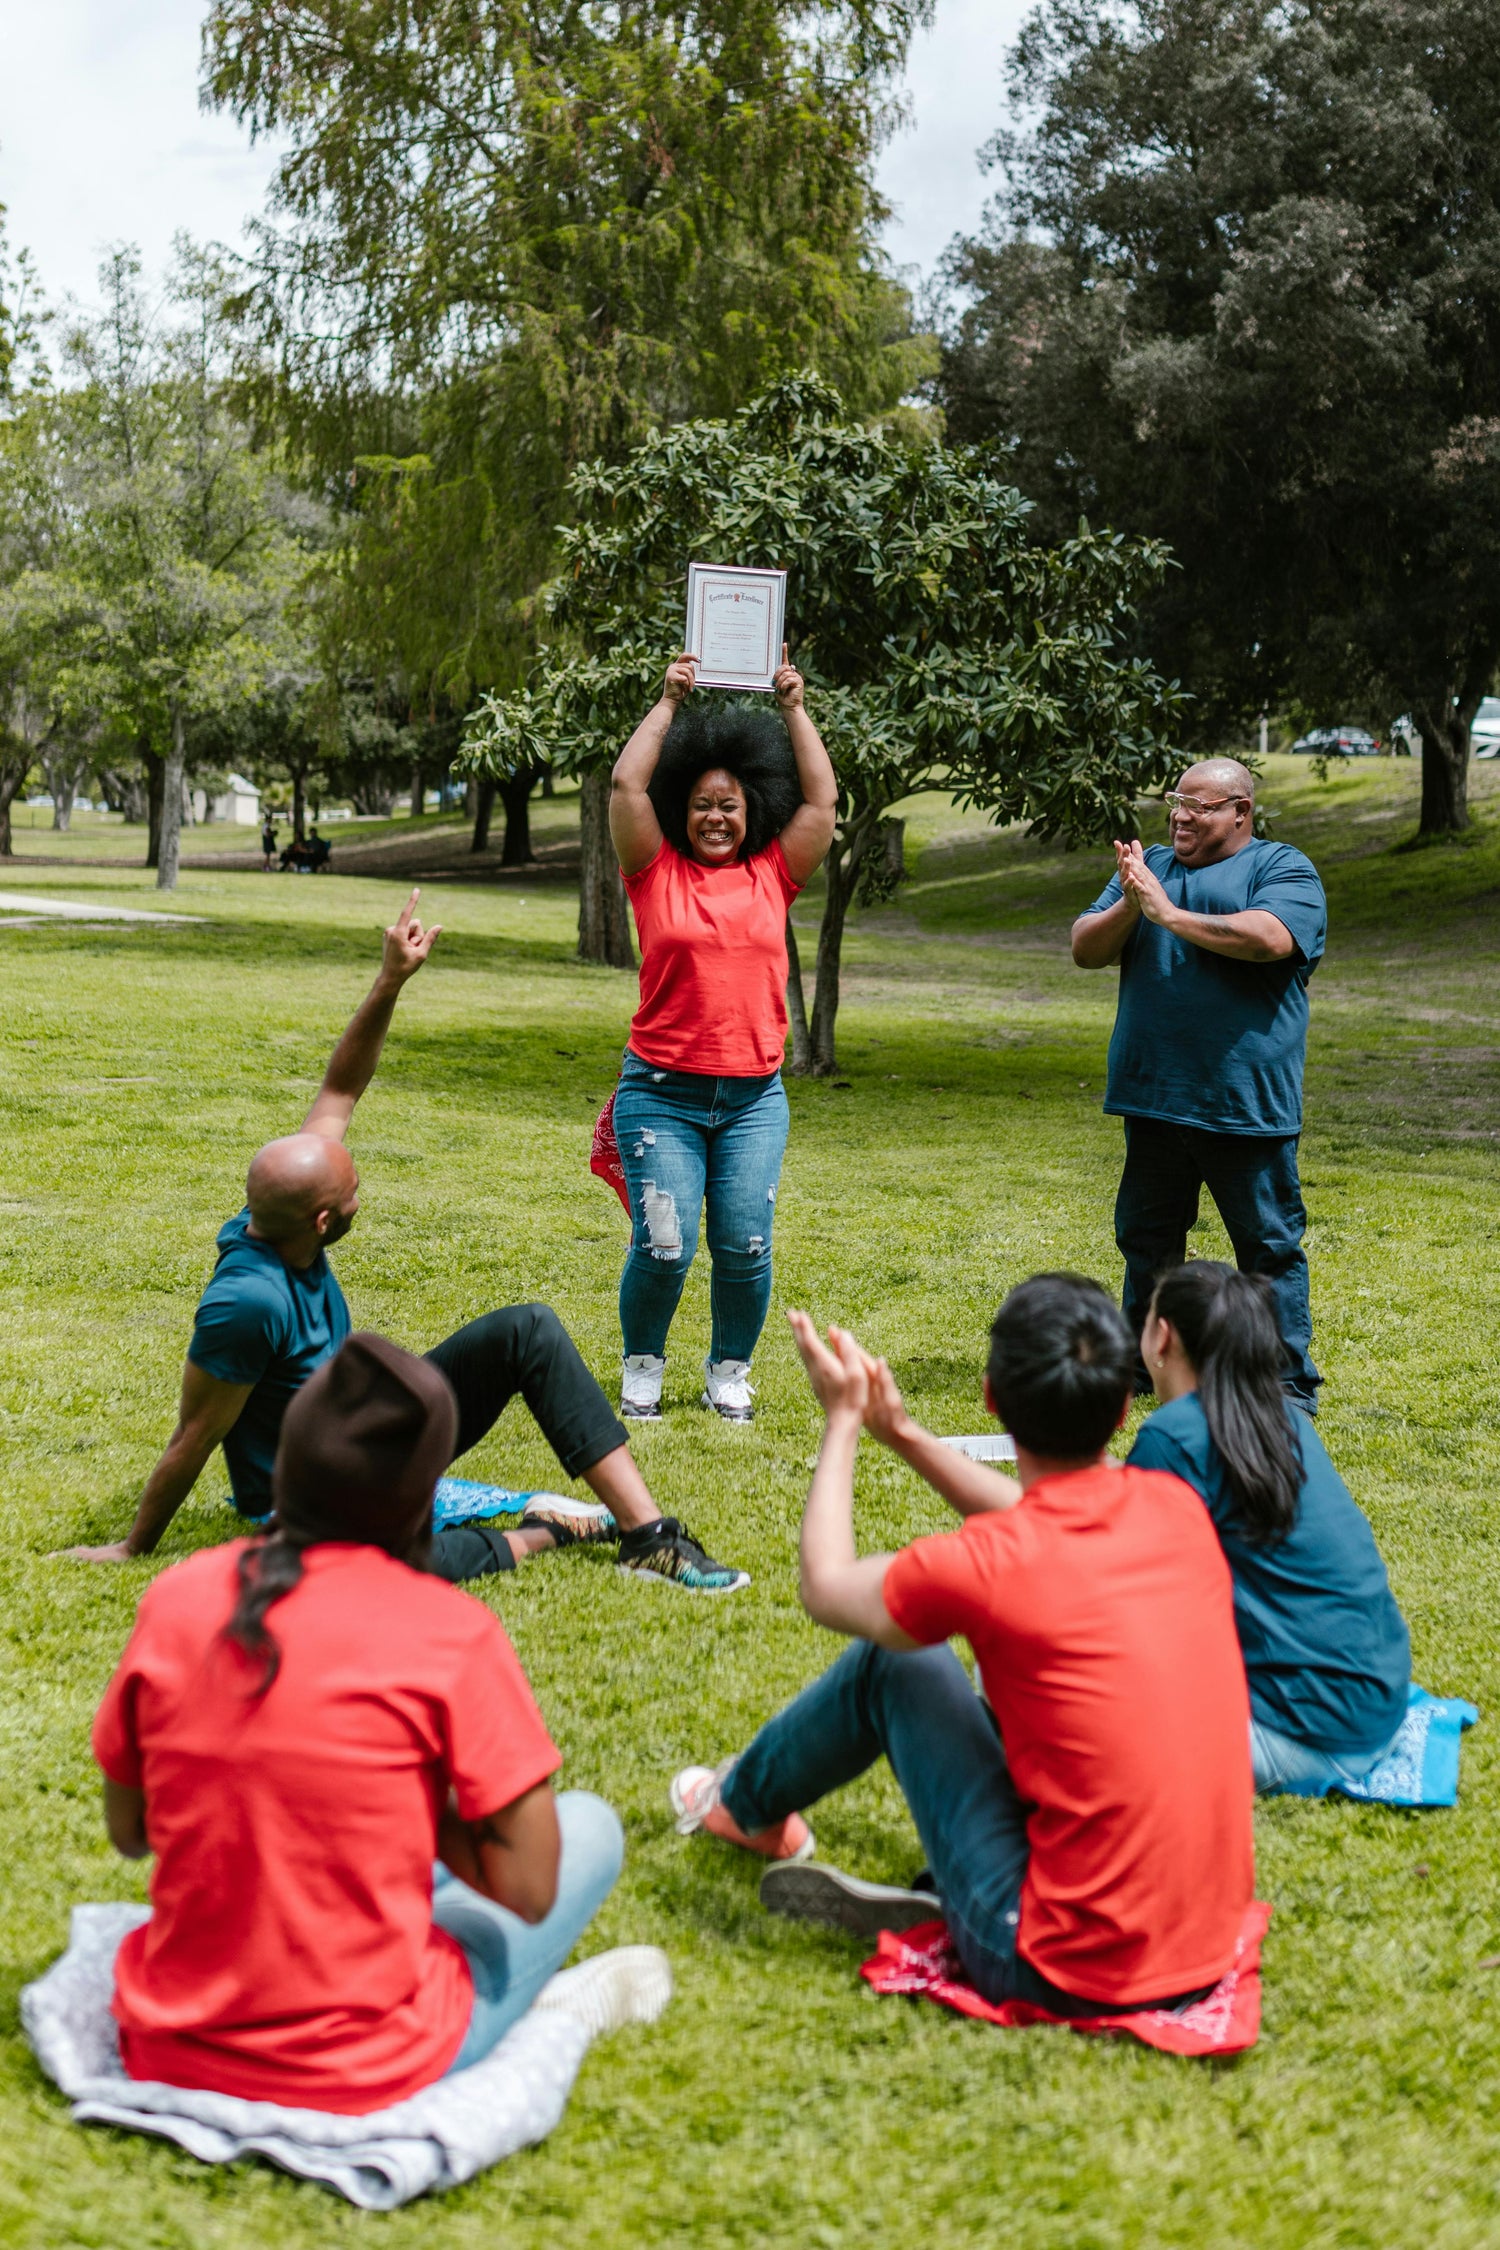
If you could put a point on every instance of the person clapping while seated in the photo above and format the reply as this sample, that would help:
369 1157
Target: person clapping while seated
299 1726
1088 1828
1326 1648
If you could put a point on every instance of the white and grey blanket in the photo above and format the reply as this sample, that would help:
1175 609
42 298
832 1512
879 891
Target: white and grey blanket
444 2134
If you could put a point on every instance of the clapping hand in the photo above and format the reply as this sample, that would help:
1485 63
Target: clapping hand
788 684
407 944
886 1417
836 1369
681 679
1140 887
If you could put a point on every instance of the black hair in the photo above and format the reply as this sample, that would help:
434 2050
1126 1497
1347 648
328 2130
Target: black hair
1227 1323
271 1568
1062 1365
752 744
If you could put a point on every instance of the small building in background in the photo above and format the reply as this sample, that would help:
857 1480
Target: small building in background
239 804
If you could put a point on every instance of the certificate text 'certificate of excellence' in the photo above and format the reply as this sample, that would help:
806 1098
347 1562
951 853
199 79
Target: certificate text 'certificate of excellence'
735 622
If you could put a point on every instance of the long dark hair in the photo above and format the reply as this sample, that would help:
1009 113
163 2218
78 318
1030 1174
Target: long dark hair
271 1568
751 744
1227 1323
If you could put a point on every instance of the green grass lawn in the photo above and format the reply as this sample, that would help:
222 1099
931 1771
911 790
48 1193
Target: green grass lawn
778 2101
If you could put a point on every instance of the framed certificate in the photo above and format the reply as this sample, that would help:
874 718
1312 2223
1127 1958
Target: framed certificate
735 623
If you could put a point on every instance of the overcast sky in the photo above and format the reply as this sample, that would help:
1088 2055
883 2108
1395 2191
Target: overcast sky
102 139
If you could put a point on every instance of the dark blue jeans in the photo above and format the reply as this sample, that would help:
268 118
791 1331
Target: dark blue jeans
685 1140
1252 1178
918 1710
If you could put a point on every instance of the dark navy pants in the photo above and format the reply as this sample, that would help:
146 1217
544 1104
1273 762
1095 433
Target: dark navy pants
1252 1178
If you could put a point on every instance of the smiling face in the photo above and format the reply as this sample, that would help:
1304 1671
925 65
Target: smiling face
1213 815
715 818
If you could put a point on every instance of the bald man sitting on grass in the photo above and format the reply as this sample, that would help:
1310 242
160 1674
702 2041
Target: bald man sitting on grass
1217 935
273 1313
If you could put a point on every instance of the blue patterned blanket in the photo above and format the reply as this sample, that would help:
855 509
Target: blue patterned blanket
457 1500
1421 1765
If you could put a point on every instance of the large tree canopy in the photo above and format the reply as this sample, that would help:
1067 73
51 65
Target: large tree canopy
1241 291
941 645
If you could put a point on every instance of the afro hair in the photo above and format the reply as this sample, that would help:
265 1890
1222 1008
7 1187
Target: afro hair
751 744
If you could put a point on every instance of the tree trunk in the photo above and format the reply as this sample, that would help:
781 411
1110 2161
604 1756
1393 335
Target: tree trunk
153 766
63 776
299 804
796 1007
549 787
418 793
515 795
471 798
1445 772
482 809
12 779
171 809
603 917
842 871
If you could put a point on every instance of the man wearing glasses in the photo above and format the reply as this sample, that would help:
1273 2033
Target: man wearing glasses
1217 936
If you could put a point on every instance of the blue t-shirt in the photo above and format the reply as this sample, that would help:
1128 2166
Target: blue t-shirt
1327 1653
262 1321
1201 1040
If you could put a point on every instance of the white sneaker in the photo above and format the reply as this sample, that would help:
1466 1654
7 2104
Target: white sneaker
629 1984
728 1389
640 1387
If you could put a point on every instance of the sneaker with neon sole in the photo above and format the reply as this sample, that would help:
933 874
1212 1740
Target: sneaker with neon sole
697 1803
667 1550
572 1523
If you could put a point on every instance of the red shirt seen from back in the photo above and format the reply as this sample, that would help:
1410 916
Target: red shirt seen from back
713 963
1100 1612
291 1954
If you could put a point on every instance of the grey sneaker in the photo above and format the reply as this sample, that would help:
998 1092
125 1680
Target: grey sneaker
640 1387
826 1894
629 1984
727 1389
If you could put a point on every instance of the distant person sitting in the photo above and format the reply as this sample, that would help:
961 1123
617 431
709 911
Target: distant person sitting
297 859
268 846
1326 1649
1217 936
320 851
1088 1829
299 1726
273 1313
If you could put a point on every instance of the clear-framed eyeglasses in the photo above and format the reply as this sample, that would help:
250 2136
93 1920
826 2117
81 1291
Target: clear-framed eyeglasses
1193 806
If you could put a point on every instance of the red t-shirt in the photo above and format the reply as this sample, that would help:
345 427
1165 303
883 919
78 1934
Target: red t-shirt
713 963
291 1954
1101 1617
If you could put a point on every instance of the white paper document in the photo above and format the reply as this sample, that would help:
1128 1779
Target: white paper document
735 623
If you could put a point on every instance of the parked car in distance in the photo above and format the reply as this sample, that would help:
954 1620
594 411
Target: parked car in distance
1484 734
1337 742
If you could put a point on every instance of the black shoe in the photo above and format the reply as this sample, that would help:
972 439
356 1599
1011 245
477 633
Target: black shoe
824 1894
667 1549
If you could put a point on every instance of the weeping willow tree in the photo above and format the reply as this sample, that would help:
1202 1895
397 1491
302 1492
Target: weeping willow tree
502 241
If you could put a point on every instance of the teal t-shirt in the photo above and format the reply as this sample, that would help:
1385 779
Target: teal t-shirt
1327 1653
1200 1040
263 1322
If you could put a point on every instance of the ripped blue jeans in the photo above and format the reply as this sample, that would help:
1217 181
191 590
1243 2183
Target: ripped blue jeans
685 1140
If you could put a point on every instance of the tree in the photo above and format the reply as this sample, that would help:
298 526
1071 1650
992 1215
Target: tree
504 241
184 543
942 647
1241 292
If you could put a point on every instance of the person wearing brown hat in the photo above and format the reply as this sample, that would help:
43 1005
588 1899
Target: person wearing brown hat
273 1313
300 1726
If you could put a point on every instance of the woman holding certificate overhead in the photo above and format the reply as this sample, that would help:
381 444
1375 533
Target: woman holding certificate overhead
719 816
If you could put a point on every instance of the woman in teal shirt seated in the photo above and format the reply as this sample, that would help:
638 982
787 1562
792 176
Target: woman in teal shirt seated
1326 1650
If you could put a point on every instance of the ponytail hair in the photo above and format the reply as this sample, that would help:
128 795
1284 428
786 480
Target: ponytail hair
1227 1324
268 1571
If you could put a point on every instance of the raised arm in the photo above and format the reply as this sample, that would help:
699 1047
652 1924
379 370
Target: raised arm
207 1413
840 1589
352 1064
970 1488
808 834
633 824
